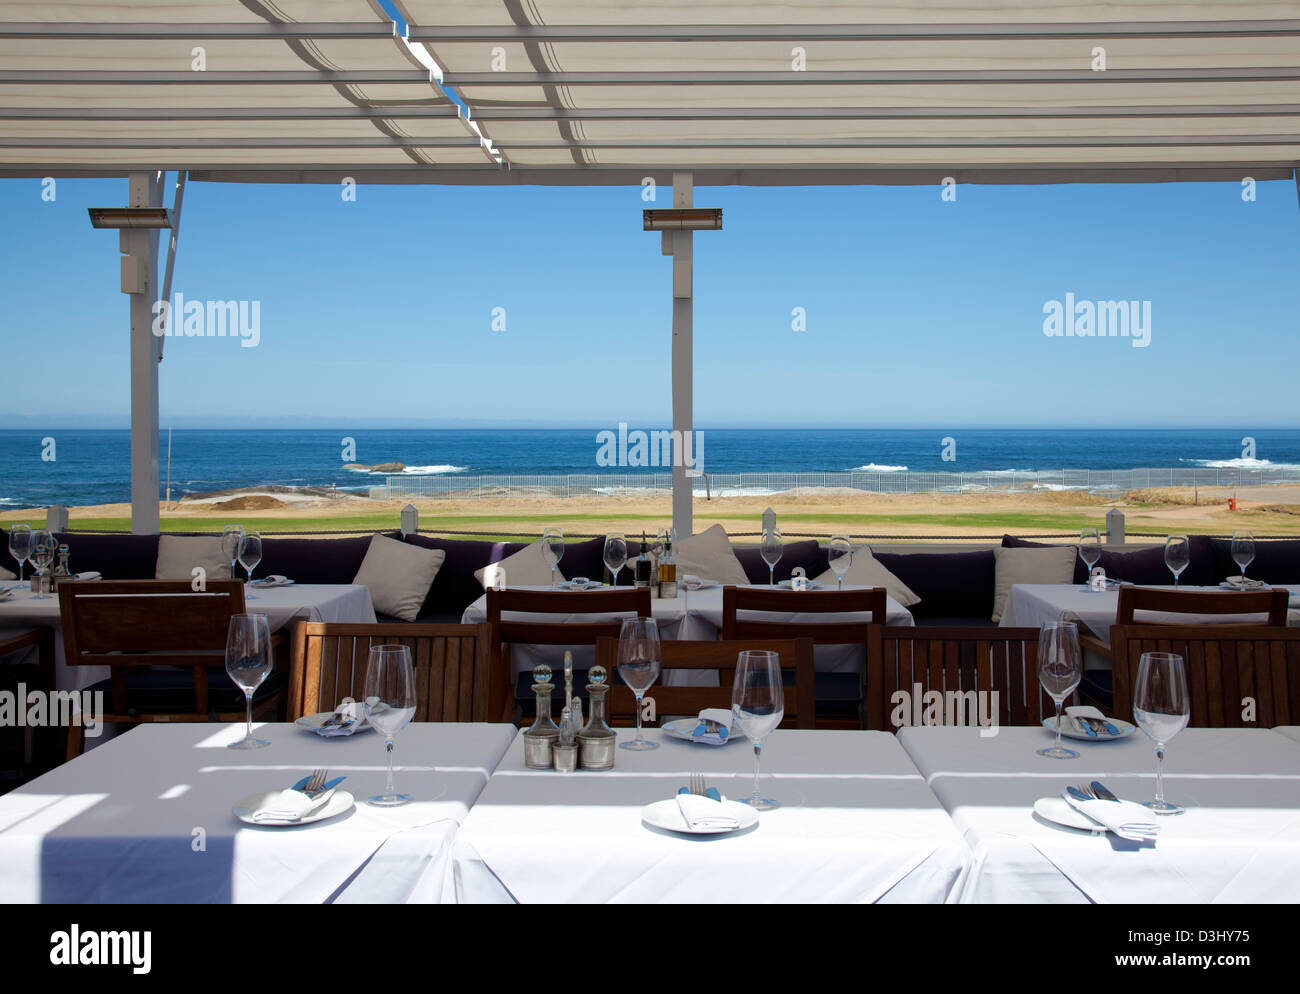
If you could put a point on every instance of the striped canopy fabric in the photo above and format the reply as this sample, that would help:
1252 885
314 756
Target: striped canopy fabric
593 92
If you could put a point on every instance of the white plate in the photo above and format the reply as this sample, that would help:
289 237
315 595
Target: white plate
270 582
570 585
341 803
313 722
1234 583
1067 730
1061 811
812 585
667 815
704 585
681 728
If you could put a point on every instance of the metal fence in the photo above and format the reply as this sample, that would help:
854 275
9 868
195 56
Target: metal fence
760 484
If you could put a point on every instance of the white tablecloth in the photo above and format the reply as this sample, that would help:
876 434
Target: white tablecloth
337 602
120 824
1290 731
857 824
1031 604
692 615
1238 842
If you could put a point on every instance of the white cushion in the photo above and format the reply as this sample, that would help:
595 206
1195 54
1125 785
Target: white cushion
867 571
709 556
1029 566
178 555
6 575
398 575
526 568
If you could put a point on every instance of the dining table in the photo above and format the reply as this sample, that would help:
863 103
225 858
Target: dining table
692 615
1237 842
330 602
1290 731
857 823
148 817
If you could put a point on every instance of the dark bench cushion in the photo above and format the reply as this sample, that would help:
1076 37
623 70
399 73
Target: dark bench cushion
314 560
117 557
807 554
1145 567
1276 560
950 584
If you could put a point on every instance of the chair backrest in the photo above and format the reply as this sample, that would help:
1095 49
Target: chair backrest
1272 603
570 604
796 655
736 599
965 666
1229 669
452 667
132 623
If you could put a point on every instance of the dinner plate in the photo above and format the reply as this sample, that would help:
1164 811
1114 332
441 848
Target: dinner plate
681 728
1234 583
341 803
1067 730
571 585
812 584
704 585
668 816
269 582
1061 811
313 723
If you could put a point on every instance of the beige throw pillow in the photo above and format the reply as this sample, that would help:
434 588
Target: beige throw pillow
709 556
526 568
866 571
398 575
1029 566
178 555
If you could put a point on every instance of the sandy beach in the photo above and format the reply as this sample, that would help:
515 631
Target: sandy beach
1271 510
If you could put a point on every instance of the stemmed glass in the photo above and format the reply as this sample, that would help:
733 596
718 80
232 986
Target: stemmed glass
1178 553
770 548
44 547
230 537
1162 709
638 664
1243 550
840 554
1060 668
20 546
758 705
1089 549
250 554
615 553
248 661
390 706
553 549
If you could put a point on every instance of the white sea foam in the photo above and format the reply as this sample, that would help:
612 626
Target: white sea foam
1241 463
873 468
439 469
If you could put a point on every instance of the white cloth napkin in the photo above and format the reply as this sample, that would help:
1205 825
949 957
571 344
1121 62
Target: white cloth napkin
352 716
1124 818
1076 711
274 580
705 812
723 717
90 574
1236 583
691 582
290 805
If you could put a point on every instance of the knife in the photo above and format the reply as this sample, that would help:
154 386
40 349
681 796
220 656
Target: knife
1104 723
1102 792
1086 725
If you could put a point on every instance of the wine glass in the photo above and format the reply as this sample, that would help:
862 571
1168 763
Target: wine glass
615 553
840 554
390 706
758 705
248 661
1060 668
250 554
553 549
1089 549
1178 553
20 546
770 548
44 547
230 536
638 664
1243 550
1162 709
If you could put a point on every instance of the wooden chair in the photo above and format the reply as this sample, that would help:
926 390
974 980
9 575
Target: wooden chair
165 644
21 641
452 667
1225 664
507 633
1272 603
796 661
955 661
838 695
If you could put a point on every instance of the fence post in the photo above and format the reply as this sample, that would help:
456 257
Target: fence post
56 518
1114 526
410 520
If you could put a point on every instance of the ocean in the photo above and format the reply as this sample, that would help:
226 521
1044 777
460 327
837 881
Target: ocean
82 467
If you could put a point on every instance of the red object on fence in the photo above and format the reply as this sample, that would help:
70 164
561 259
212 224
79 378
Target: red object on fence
1232 503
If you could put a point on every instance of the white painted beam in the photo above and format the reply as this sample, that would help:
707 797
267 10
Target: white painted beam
139 245
683 357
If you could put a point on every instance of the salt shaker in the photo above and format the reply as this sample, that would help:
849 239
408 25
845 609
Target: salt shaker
565 750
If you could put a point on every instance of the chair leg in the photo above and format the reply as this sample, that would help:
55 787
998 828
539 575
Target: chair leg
76 741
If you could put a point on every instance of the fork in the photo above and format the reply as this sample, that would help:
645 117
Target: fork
315 782
697 785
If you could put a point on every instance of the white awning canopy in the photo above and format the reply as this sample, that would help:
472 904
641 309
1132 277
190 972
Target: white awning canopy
588 92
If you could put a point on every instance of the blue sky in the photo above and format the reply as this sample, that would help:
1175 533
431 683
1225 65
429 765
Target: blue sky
919 312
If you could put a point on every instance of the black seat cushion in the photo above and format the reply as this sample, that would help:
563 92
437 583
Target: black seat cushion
950 584
1276 560
1145 567
807 554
